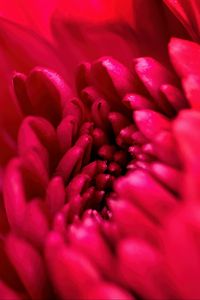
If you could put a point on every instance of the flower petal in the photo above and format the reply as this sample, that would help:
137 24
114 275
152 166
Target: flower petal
182 53
82 41
32 14
98 10
29 265
188 12
149 25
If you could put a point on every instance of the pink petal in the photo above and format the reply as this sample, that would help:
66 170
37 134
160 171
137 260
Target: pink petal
55 195
132 222
188 13
38 134
153 75
13 36
70 163
98 11
150 123
87 239
86 41
7 293
30 14
164 146
182 268
191 86
72 273
149 26
137 185
186 129
136 102
67 132
46 92
139 267
174 96
169 176
14 194
29 266
108 291
35 224
182 53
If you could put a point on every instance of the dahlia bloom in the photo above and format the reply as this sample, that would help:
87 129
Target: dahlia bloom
99 162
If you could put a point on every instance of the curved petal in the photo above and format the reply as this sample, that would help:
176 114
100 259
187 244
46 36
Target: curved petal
21 50
85 41
188 12
150 27
98 10
30 13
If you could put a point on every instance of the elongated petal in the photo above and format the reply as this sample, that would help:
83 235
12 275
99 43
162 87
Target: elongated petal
150 123
85 41
29 266
98 11
186 129
7 293
32 14
140 269
182 53
191 85
137 185
188 12
71 271
149 25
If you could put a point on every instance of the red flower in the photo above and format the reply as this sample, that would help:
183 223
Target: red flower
100 182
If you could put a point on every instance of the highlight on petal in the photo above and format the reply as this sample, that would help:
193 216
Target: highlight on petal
16 54
182 54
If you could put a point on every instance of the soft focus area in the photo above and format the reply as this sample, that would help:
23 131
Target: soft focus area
100 150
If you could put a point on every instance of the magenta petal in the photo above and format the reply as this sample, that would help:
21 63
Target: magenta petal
135 186
29 266
83 41
38 134
191 86
186 129
149 25
67 132
113 80
153 74
7 293
109 292
139 267
86 239
150 123
14 194
71 271
132 222
164 146
55 195
47 94
182 269
182 53
70 163
136 102
35 224
169 176
14 36
188 13
174 96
